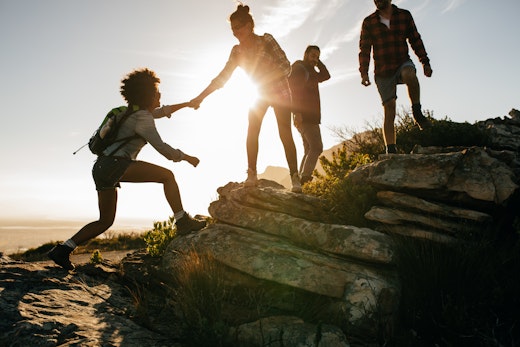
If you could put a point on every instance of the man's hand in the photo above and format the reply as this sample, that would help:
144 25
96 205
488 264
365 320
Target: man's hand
192 160
427 70
365 80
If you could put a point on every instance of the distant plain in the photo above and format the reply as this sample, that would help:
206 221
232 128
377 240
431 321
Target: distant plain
18 235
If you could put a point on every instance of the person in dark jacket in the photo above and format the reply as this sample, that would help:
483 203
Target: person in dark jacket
305 76
387 33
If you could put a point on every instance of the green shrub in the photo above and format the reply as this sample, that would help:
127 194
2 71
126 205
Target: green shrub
443 133
159 237
345 202
112 241
96 257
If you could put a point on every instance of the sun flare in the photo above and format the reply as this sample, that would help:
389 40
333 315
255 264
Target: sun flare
243 89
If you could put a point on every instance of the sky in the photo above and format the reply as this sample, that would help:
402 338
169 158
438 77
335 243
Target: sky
62 62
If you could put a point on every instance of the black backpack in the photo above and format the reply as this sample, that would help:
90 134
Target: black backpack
106 134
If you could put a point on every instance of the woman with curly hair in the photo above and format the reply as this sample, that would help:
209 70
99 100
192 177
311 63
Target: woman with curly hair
119 164
266 63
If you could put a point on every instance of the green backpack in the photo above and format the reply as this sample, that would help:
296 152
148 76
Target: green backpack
106 133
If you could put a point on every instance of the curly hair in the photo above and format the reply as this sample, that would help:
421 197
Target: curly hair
242 15
139 88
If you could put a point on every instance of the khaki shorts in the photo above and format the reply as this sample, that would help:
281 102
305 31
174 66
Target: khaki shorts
387 86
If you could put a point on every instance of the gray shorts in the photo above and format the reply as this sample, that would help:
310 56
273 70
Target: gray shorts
107 172
387 86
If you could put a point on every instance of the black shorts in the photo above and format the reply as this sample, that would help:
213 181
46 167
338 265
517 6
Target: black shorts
107 172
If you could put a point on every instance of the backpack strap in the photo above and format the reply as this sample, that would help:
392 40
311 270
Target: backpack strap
129 111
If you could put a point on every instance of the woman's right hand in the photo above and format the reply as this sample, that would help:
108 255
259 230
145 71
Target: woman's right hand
195 103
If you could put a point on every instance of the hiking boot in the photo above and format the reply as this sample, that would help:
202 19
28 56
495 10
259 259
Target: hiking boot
420 119
252 179
186 224
60 254
391 149
296 184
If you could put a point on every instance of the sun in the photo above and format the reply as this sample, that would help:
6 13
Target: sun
243 89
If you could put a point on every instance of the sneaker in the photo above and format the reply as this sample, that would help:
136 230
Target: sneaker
186 224
60 255
252 179
296 184
421 120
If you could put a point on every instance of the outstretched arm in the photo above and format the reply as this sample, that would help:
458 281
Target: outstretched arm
219 81
177 107
195 102
167 110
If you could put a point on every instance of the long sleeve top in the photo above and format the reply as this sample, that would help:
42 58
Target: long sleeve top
304 81
265 63
390 47
142 123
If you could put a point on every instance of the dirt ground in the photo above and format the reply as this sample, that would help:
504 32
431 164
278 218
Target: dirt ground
113 257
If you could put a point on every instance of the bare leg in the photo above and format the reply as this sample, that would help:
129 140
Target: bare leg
388 126
107 202
409 77
140 172
256 116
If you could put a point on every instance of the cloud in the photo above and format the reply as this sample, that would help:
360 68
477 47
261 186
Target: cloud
328 9
452 5
287 15
341 75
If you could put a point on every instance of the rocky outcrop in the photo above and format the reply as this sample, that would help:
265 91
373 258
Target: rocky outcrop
42 305
440 196
267 235
270 235
288 331
504 132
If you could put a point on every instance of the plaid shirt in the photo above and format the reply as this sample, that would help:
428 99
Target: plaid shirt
390 47
266 63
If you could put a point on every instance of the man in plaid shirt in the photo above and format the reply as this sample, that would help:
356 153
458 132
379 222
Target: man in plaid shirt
387 32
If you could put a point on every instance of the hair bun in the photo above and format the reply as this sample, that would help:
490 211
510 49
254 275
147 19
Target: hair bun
243 9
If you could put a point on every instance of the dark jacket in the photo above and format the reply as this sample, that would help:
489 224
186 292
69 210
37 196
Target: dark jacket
304 81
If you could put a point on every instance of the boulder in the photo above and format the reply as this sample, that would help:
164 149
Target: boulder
441 196
260 236
288 331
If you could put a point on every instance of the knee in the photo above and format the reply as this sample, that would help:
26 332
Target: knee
389 108
285 132
319 148
253 132
168 176
106 222
316 151
408 75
